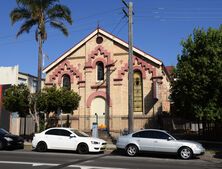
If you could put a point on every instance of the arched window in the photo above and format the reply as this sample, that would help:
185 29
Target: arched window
100 71
66 83
137 91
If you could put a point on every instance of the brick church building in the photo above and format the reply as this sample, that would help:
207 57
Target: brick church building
97 69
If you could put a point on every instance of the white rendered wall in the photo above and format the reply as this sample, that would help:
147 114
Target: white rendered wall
9 75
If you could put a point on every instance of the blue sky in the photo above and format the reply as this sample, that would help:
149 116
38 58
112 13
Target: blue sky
159 27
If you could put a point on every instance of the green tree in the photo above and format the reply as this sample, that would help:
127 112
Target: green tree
69 100
52 100
16 99
197 90
19 99
39 13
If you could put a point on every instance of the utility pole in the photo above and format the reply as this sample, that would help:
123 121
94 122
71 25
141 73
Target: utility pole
107 112
130 65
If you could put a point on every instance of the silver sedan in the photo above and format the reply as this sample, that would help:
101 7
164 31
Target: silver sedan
153 140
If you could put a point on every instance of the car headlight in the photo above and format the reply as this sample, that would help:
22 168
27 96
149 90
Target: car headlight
94 142
8 138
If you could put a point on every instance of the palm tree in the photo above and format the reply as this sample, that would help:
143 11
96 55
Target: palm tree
39 13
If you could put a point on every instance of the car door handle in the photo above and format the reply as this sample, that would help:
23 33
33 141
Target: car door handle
138 140
155 141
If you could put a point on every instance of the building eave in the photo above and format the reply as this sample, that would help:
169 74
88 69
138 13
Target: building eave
110 36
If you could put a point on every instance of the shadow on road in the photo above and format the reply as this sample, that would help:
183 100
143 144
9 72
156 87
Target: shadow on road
68 152
218 154
146 154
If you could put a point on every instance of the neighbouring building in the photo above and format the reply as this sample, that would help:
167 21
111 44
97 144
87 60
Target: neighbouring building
9 120
84 69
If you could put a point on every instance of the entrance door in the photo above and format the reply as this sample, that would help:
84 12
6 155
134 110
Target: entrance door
98 107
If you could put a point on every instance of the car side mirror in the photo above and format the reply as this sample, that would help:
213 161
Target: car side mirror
72 135
169 138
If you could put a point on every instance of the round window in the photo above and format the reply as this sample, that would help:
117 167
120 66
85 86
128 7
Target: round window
99 40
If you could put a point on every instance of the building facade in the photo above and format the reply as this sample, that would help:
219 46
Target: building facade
97 69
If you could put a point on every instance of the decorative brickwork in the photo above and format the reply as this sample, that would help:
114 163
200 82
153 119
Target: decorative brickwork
91 63
97 94
66 68
142 66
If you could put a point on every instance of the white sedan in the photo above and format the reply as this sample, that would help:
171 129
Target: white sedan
153 140
67 139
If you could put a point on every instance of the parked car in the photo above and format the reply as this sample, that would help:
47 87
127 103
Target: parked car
67 139
8 140
153 140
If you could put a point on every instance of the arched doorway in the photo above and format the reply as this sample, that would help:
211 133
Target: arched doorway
98 107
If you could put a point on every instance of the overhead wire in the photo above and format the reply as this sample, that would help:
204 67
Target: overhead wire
115 27
82 25
52 34
177 14
121 28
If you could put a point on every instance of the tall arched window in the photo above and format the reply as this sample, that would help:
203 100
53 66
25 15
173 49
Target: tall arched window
66 83
100 71
137 91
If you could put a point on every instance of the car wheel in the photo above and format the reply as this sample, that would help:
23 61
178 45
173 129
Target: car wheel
131 150
41 147
185 153
82 148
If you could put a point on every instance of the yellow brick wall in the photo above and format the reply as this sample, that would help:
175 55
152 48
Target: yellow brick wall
118 90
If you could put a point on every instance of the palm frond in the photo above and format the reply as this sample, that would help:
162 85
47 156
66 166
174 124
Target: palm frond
19 14
60 26
60 12
47 4
26 26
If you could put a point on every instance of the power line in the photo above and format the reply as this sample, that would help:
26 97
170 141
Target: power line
122 27
98 13
118 24
53 33
77 20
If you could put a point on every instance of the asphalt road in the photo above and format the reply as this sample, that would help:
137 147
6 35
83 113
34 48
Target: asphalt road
23 159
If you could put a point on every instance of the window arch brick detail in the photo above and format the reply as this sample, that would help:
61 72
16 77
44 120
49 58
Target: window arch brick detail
92 61
66 68
144 66
97 94
98 60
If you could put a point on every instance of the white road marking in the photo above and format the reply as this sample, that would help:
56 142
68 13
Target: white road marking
34 164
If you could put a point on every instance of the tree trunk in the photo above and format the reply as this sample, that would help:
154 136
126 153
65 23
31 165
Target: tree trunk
39 63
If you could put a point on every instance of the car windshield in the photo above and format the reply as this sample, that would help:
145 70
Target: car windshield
175 136
80 133
3 132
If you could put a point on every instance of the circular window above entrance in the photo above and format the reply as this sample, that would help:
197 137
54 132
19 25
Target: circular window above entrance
99 40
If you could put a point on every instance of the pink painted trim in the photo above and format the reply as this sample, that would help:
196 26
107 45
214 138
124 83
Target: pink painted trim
91 63
141 70
144 66
98 86
98 60
65 73
97 94
98 30
71 71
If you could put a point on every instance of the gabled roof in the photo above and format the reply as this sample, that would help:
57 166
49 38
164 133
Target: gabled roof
108 35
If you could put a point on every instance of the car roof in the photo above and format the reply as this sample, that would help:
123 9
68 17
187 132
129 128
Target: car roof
151 130
66 128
